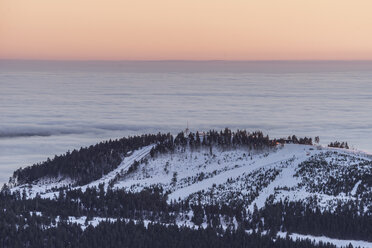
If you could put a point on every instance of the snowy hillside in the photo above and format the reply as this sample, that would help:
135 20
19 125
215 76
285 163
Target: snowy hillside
292 172
240 183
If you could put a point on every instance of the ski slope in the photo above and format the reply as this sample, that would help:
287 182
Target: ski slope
225 174
47 190
122 168
273 159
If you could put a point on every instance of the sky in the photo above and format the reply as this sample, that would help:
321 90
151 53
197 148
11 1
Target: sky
186 29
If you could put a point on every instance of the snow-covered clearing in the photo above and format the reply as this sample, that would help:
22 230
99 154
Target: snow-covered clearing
95 221
284 179
188 165
42 187
336 242
275 158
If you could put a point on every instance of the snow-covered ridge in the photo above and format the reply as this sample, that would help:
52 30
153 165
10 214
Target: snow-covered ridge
287 172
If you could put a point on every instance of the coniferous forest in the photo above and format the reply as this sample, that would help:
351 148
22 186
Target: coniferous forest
21 227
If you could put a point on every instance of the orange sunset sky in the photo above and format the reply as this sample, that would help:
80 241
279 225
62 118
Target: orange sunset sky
186 29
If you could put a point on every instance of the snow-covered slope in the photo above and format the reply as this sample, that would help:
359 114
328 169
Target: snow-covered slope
325 177
251 177
49 188
292 172
336 242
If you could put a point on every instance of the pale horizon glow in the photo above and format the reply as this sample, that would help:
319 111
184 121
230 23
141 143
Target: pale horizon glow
186 30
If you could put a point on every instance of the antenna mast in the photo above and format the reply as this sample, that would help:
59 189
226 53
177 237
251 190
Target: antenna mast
187 128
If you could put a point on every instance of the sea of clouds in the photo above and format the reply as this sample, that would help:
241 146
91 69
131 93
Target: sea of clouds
49 108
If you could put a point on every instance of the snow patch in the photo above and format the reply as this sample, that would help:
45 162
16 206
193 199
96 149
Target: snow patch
336 242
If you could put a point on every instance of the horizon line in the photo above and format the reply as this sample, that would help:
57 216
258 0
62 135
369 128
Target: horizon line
184 60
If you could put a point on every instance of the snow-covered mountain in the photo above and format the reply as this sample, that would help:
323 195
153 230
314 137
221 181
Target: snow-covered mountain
290 171
321 178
